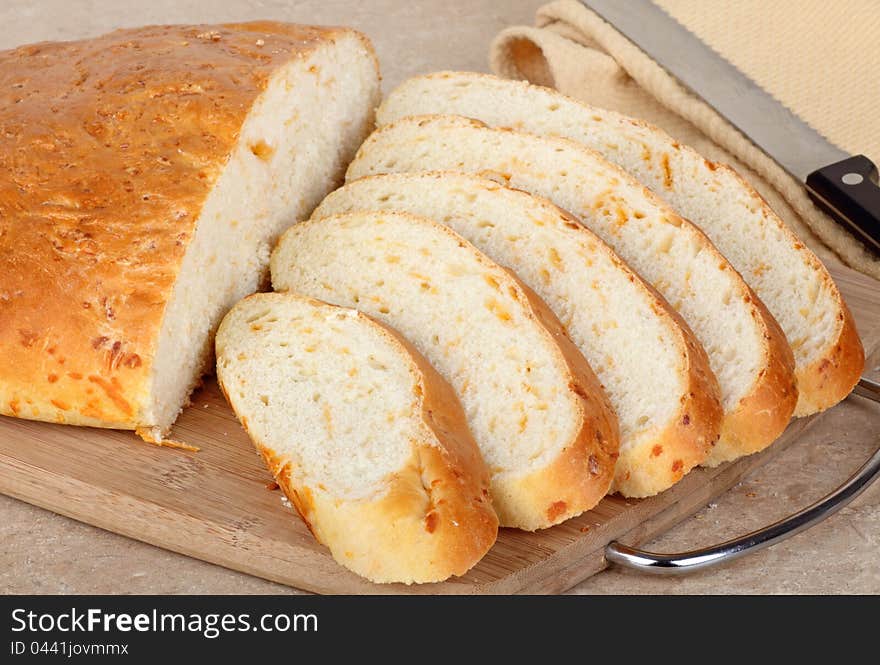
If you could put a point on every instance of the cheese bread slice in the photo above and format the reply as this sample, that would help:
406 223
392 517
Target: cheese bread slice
535 408
361 433
655 373
786 275
747 350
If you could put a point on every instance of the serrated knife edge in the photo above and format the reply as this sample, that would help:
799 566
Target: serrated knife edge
796 146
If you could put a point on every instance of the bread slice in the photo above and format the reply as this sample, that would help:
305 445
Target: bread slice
362 434
786 275
746 348
655 373
138 210
535 408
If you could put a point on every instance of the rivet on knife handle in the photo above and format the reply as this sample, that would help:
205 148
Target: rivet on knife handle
848 191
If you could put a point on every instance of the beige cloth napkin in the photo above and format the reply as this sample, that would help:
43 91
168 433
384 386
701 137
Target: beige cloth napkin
820 58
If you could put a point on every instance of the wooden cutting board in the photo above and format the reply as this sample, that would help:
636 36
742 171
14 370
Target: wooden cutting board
216 504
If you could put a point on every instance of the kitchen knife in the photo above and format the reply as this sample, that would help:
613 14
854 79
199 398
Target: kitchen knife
843 185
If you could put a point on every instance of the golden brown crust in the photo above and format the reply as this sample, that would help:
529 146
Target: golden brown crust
764 413
582 474
455 475
761 415
436 517
688 440
108 150
434 521
832 377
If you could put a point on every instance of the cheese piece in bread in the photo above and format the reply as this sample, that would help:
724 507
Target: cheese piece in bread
653 370
362 434
746 348
788 278
536 410
144 176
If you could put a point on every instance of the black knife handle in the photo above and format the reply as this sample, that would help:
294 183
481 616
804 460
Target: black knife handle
848 191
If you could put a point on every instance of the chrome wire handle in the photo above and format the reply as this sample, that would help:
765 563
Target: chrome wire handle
707 557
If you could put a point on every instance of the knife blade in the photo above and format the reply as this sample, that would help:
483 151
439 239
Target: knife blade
843 185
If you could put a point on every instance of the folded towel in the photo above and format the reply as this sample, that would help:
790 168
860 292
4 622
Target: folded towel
813 55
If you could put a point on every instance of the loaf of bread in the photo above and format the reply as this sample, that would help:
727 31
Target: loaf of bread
144 176
362 434
786 275
655 373
536 410
747 350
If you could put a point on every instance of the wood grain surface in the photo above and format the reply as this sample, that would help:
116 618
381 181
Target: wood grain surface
217 505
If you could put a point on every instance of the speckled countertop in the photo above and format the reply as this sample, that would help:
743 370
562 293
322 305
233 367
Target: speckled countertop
41 552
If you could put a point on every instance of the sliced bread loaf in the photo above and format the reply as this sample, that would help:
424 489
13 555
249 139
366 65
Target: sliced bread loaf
535 408
146 175
362 434
747 349
786 275
655 373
